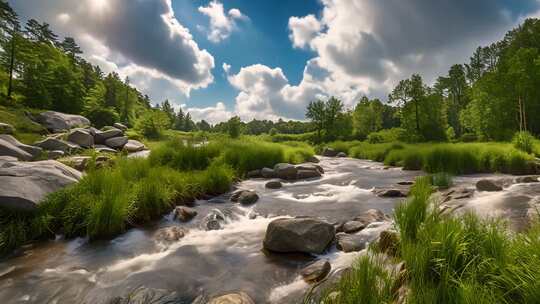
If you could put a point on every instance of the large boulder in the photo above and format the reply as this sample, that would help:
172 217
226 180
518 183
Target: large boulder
488 185
101 136
329 152
6 128
58 122
8 149
52 144
305 174
116 142
305 235
23 185
268 173
232 298
134 146
81 137
247 198
34 151
285 171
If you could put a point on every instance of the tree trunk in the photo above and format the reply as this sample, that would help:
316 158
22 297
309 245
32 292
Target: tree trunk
11 68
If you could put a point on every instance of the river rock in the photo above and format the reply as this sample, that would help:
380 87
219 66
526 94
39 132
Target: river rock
317 271
351 242
101 136
370 216
184 214
352 226
58 122
8 149
305 174
81 137
51 144
527 179
117 142
134 146
488 185
329 152
406 183
23 185
285 171
6 128
273 185
311 167
391 193
268 173
248 198
313 159
232 298
34 151
120 126
341 154
170 234
254 174
305 235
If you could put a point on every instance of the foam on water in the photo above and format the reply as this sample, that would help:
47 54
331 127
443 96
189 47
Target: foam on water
328 193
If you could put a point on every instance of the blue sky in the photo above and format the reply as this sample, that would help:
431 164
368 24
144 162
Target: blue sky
280 54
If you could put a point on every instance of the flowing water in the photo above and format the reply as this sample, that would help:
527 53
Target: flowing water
204 262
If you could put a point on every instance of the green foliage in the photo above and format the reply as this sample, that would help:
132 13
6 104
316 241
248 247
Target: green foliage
26 130
234 127
101 117
523 141
153 123
181 155
442 180
388 136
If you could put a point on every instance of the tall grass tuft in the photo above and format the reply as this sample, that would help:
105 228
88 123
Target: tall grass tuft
523 141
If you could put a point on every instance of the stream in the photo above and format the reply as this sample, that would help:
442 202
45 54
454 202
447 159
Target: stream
216 261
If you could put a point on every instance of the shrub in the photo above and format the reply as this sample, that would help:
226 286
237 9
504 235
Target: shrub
387 136
102 116
152 124
523 141
442 180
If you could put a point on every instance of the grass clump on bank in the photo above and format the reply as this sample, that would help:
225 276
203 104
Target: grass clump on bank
451 260
460 158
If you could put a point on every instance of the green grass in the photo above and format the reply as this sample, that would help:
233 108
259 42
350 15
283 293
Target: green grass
442 180
459 158
451 259
26 130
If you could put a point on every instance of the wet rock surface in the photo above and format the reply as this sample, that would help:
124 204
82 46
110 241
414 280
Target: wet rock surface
305 235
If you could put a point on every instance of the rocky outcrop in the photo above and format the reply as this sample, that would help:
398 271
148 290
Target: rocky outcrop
101 136
315 272
116 142
32 150
23 185
488 185
6 128
134 146
232 298
58 122
184 214
81 137
285 171
304 235
51 144
8 149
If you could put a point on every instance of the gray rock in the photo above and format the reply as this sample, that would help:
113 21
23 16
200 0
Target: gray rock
274 185
527 179
313 159
92 130
248 198
488 185
353 226
232 298
134 146
8 149
329 152
101 136
351 242
56 154
392 193
341 154
305 235
406 183
254 174
305 174
184 214
104 149
34 151
58 122
120 126
170 234
51 144
317 271
6 128
4 159
23 185
268 173
116 142
370 216
77 162
213 225
285 171
81 137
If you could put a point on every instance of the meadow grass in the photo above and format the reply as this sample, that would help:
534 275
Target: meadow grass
451 259
458 158
26 130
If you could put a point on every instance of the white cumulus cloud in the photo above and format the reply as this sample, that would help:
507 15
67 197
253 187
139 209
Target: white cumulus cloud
221 24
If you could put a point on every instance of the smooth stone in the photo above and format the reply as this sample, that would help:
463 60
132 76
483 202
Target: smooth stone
317 271
351 242
170 234
370 216
51 144
313 159
352 226
120 126
184 214
329 152
58 122
34 151
305 235
232 298
273 185
306 174
116 142
23 185
6 128
341 154
285 171
134 146
488 185
248 198
310 167
406 183
101 136
268 173
527 179
8 149
392 193
254 174
81 137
